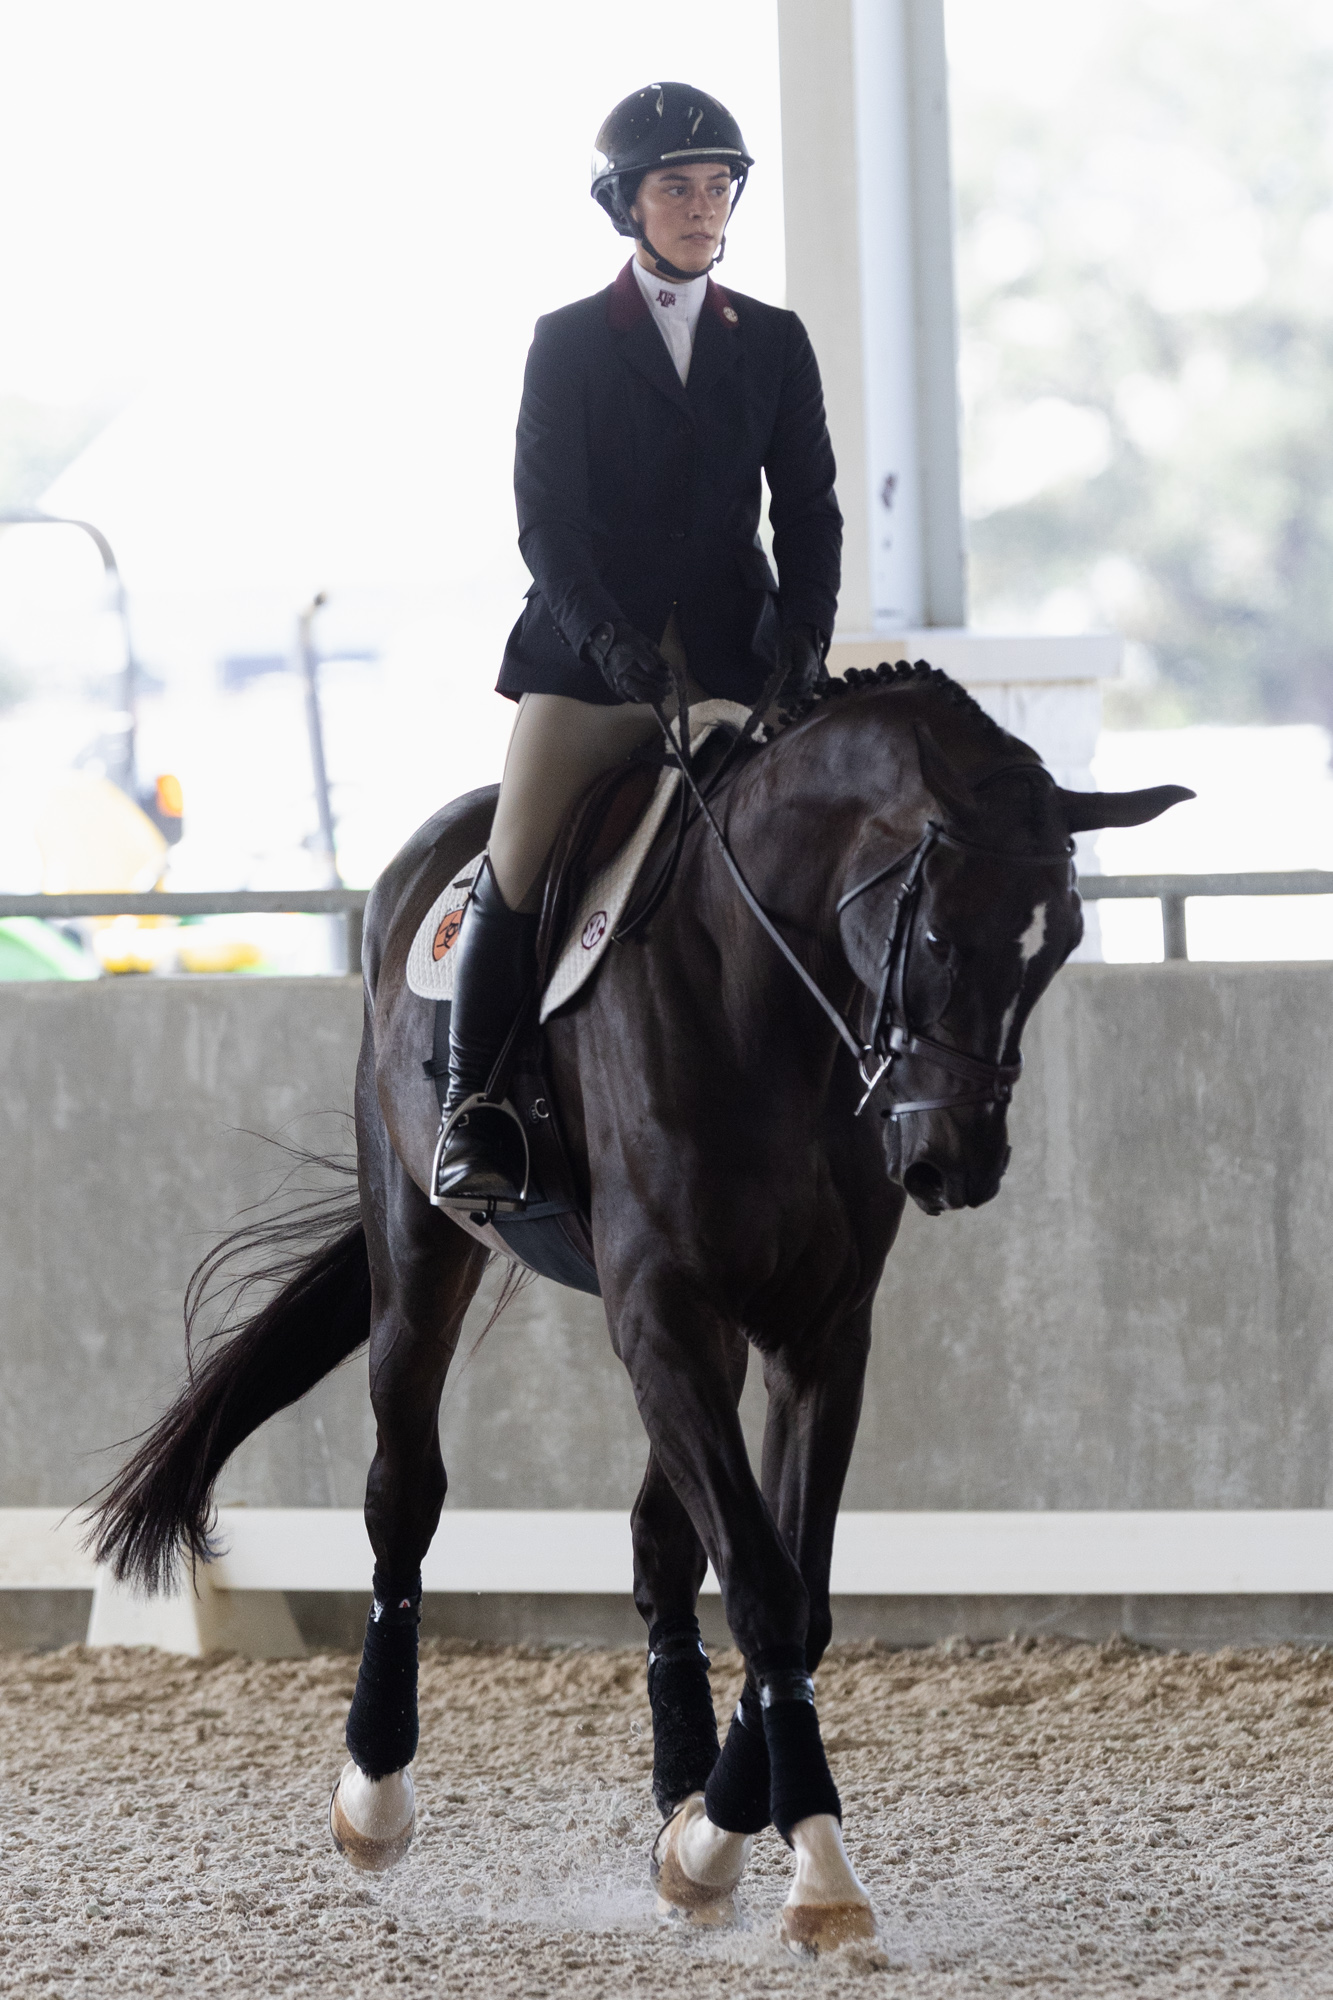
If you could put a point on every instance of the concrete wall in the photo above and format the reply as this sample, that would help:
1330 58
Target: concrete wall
1141 1320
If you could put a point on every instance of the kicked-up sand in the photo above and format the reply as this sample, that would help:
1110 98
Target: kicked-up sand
1035 1818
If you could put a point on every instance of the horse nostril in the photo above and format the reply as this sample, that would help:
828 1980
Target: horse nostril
925 1184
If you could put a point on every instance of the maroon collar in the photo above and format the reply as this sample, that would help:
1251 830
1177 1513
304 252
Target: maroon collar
626 306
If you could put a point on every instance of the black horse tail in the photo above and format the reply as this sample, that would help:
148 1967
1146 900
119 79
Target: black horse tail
160 1505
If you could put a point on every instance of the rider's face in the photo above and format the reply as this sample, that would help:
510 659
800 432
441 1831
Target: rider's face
683 212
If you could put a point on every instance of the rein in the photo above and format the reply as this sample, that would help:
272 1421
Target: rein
680 756
892 1034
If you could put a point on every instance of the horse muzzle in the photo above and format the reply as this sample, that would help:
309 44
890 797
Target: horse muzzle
937 1184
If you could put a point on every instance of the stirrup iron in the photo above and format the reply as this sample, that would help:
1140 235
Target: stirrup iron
486 1208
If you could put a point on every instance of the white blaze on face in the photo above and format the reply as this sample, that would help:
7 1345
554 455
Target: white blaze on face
1031 942
1034 937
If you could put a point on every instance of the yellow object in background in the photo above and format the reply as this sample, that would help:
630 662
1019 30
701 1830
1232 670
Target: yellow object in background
134 944
170 797
95 840
201 953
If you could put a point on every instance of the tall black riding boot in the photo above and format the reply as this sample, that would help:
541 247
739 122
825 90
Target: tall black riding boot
483 1155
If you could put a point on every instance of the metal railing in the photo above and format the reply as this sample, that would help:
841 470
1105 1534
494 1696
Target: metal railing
1172 892
347 903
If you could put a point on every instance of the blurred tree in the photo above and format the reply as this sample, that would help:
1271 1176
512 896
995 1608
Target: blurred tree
1145 195
38 440
15 685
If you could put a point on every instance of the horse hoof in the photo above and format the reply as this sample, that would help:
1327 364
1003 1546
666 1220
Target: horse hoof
372 1820
811 1928
717 1915
680 1898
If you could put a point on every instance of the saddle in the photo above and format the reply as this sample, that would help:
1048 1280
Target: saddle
594 833
553 1235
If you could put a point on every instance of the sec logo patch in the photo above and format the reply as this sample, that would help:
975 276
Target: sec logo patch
446 937
594 930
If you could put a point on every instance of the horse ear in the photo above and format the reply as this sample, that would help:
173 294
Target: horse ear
945 784
1084 811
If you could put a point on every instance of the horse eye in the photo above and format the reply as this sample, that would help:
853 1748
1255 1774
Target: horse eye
937 943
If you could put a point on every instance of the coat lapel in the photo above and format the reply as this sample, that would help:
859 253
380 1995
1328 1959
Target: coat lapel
645 349
628 317
717 343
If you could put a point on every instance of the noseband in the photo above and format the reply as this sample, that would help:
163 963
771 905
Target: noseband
892 1034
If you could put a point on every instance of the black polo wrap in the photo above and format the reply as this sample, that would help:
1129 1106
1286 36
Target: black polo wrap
684 1723
382 1721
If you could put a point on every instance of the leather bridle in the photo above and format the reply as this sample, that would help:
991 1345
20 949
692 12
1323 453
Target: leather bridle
892 1035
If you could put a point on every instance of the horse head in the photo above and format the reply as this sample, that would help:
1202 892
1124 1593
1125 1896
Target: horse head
966 931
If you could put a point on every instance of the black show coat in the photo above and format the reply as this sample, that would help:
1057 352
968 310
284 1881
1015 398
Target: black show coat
636 495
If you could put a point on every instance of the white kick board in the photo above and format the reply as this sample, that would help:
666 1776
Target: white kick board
1113 1554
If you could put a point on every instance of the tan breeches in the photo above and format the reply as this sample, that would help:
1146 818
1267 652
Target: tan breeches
558 747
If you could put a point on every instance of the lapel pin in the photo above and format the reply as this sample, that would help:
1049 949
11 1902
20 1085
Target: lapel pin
730 314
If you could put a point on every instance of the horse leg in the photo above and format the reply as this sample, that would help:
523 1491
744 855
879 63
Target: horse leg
696 1864
424 1271
676 1349
669 1566
814 1404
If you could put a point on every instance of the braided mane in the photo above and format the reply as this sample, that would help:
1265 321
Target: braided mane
899 674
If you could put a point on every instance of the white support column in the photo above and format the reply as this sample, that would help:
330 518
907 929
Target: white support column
868 197
869 239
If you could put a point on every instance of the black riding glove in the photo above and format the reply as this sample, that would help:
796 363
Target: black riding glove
801 650
630 665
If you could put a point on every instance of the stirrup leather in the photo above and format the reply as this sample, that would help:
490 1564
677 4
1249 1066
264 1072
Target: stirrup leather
487 1208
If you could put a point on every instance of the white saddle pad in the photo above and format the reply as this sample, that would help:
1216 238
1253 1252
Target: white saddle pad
431 960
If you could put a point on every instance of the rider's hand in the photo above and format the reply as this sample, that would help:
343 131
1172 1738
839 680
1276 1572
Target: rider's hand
631 665
801 650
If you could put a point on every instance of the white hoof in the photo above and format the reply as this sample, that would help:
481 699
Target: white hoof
827 1906
717 1915
372 1820
696 1867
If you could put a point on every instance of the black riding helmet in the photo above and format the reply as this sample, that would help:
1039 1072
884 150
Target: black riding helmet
655 127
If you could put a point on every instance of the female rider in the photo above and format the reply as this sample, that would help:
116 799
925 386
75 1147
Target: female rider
649 412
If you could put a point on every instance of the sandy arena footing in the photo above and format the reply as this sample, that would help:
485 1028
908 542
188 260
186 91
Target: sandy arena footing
1039 1817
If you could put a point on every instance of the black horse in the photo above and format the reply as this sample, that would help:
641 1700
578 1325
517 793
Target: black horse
745 1139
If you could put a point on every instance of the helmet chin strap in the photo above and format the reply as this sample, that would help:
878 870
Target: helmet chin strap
672 271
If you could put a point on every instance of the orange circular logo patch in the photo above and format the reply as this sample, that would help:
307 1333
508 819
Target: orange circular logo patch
446 937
